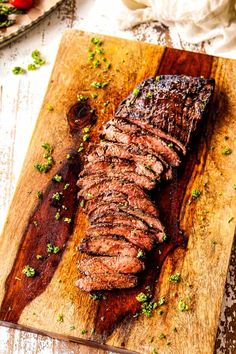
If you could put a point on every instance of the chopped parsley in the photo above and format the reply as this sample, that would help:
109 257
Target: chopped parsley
57 215
82 202
57 178
86 137
196 193
148 307
39 257
164 238
175 278
38 60
154 351
29 271
60 317
149 95
94 95
89 195
96 297
66 186
17 70
162 336
39 195
86 130
148 167
52 249
81 148
99 85
161 301
31 67
140 254
57 196
47 147
82 98
136 91
45 167
182 306
91 55
96 63
50 107
226 151
170 145
35 222
83 331
68 156
96 41
158 78
67 220
141 297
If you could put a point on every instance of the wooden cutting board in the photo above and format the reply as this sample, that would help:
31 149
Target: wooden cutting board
50 303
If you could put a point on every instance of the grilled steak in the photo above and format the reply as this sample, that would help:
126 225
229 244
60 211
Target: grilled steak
107 281
108 245
142 239
119 264
129 152
174 104
141 146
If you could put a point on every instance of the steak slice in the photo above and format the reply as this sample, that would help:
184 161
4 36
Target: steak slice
100 164
135 195
142 239
175 104
143 205
120 264
129 152
107 281
147 142
108 209
108 245
124 219
129 176
137 125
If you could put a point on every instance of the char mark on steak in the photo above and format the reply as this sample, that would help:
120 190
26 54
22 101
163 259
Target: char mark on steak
175 104
141 146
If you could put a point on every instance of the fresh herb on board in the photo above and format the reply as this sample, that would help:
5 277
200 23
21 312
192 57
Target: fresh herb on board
226 151
175 278
196 193
182 306
45 167
52 249
18 70
28 271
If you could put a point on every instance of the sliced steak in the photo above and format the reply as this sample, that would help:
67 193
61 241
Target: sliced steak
135 195
108 245
146 142
137 125
120 264
107 281
174 104
141 181
129 152
103 164
142 239
122 218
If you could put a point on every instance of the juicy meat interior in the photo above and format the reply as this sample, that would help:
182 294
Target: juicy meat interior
141 145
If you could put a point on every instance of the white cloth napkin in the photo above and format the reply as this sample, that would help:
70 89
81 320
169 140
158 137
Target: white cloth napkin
194 20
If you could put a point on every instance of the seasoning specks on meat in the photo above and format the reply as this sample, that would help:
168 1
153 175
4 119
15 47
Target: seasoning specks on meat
140 146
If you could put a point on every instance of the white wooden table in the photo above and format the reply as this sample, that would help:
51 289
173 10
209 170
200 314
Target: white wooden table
20 101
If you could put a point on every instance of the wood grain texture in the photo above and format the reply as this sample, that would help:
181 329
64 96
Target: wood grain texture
63 89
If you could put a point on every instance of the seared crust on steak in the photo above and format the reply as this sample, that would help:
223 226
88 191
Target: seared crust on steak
140 147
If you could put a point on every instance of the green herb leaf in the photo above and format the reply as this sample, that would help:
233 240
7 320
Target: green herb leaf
17 70
175 278
29 271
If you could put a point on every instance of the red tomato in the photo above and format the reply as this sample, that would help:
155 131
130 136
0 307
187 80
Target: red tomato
22 4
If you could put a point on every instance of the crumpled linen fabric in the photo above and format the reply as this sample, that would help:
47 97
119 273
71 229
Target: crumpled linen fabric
194 20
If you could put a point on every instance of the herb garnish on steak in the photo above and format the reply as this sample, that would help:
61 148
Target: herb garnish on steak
140 146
